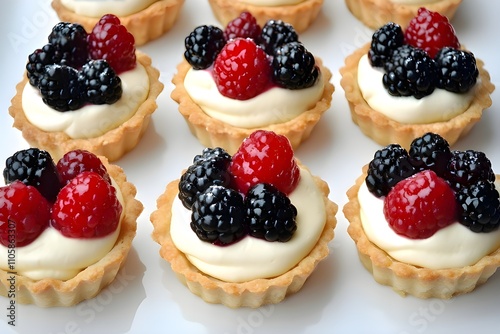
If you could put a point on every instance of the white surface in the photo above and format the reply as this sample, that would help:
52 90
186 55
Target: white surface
340 296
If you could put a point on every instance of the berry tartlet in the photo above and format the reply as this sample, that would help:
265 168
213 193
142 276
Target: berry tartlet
246 77
248 229
146 20
426 220
405 83
299 13
92 91
65 228
375 13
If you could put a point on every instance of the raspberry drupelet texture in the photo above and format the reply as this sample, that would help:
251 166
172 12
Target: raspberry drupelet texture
75 162
244 26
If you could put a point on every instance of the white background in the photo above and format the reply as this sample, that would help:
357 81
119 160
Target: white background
340 296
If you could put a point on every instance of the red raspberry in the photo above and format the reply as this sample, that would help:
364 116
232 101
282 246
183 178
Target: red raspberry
431 31
111 41
417 207
87 207
244 26
265 157
24 212
78 161
242 69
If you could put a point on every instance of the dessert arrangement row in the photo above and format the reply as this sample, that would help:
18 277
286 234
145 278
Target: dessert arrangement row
247 223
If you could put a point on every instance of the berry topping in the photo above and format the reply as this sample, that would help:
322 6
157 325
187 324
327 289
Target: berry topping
75 214
203 45
270 214
431 32
70 42
468 167
389 165
37 61
294 67
111 41
430 151
410 72
208 169
244 26
60 88
36 168
276 33
241 70
265 157
24 214
457 70
218 215
384 41
479 206
100 83
78 161
420 205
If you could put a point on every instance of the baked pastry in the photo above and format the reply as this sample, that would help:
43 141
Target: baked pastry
425 221
146 20
65 251
299 13
67 101
375 13
271 241
222 106
393 100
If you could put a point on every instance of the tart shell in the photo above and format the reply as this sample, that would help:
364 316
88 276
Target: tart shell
212 132
146 25
254 293
385 131
407 279
112 144
91 280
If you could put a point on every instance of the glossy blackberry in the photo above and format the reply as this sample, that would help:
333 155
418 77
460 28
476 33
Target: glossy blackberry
384 41
294 67
430 151
244 26
70 41
216 153
270 214
36 168
410 72
276 33
468 167
37 61
389 165
60 88
479 206
218 216
207 170
100 83
203 45
457 70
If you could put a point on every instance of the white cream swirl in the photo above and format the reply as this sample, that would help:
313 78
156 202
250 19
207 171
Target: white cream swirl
98 8
451 247
252 258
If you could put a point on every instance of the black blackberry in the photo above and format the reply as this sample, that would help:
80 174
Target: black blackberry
389 165
276 33
410 72
100 83
203 45
70 41
294 67
36 168
218 215
457 70
479 206
430 151
270 214
37 61
60 88
468 167
384 41
209 169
